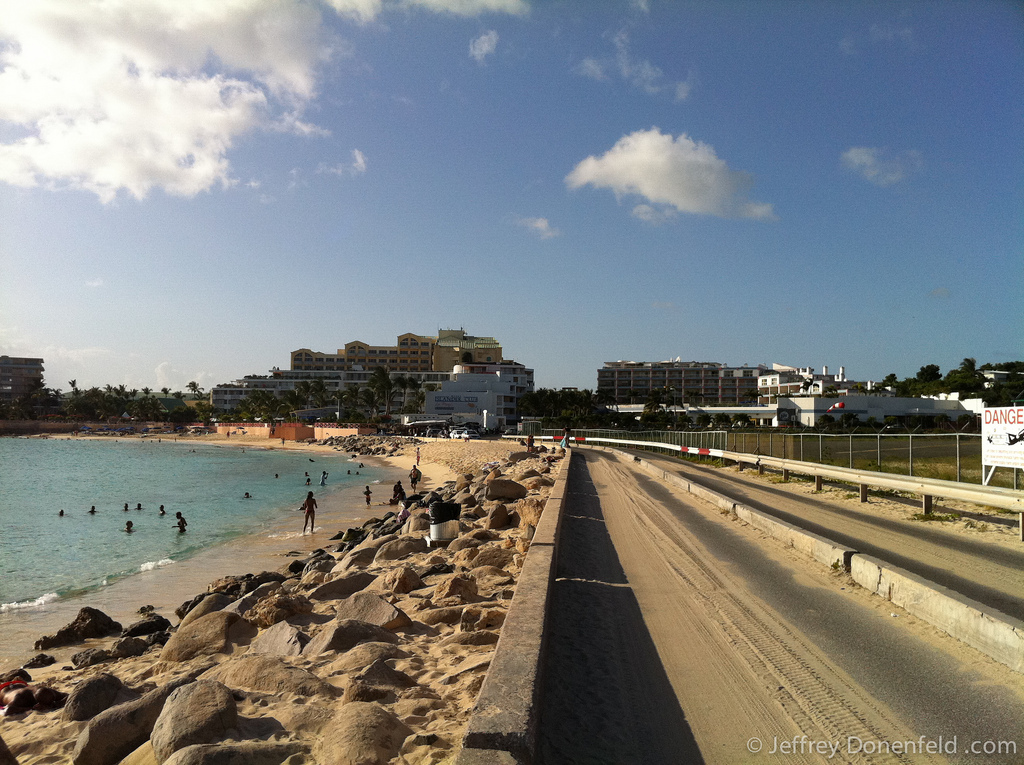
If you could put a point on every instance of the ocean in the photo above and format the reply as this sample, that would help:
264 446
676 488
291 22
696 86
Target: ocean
51 564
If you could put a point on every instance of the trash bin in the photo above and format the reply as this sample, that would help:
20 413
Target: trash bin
444 521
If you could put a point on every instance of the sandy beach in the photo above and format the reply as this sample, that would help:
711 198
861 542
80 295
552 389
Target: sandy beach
450 621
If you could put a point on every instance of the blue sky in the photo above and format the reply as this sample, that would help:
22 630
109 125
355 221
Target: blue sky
192 190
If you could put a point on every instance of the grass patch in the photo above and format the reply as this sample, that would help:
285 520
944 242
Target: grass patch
935 517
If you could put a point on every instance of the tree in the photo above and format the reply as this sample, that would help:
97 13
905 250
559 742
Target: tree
166 391
929 373
825 421
194 388
383 387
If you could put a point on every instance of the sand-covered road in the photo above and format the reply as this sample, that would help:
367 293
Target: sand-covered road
678 636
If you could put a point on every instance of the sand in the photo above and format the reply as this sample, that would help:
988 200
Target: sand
448 672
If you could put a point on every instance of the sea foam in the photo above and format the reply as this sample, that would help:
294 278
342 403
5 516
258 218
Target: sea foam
151 565
40 601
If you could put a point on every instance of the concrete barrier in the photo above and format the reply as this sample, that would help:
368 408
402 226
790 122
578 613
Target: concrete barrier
503 724
990 631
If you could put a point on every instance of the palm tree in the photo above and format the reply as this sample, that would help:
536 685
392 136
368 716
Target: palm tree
166 391
194 388
146 392
73 384
384 387
370 398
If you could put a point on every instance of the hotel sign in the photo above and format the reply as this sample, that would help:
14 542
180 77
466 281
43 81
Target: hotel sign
1002 436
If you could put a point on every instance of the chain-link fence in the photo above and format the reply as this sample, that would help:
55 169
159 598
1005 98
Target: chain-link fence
951 457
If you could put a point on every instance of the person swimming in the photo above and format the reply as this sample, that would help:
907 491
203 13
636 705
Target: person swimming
138 506
247 496
92 510
128 526
61 513
126 507
162 511
182 523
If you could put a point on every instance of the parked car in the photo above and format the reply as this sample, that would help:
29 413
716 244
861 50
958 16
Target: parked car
458 433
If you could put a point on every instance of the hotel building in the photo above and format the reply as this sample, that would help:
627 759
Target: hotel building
691 382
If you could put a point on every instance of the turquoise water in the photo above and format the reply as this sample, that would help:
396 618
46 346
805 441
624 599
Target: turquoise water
44 557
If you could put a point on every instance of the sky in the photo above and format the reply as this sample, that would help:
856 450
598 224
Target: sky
189 190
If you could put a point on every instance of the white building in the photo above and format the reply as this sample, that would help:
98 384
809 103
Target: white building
805 410
487 394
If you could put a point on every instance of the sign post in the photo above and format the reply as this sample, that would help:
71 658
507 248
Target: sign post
1002 439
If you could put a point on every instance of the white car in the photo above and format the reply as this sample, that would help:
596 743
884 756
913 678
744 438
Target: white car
458 434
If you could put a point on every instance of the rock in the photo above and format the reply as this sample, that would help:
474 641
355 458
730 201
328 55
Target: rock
213 602
540 482
342 586
92 696
481 619
447 615
245 753
39 660
6 757
371 608
497 518
148 625
91 657
520 456
16 674
196 713
269 674
529 511
365 654
487 555
356 691
277 607
361 733
494 475
477 637
344 634
528 473
90 623
383 676
400 548
358 558
502 488
416 523
117 732
457 587
399 580
214 633
492 576
462 543
463 481
125 648
281 640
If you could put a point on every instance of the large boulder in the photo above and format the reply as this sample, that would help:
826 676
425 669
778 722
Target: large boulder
399 580
90 623
244 753
345 634
214 633
283 639
117 732
197 713
361 733
215 601
148 625
502 488
458 588
400 548
277 607
365 654
92 696
491 554
260 672
529 511
358 558
6 757
497 518
371 608
381 675
343 586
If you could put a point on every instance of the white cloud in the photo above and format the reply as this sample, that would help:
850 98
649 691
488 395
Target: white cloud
94 283
471 7
640 73
114 96
540 226
673 173
483 46
356 167
654 215
592 68
878 167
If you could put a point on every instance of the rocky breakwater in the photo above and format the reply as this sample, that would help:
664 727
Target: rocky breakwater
371 652
367 446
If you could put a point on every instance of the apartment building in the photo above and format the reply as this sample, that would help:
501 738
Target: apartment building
691 382
19 376
410 353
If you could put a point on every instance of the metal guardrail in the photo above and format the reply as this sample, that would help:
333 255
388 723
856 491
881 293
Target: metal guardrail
992 496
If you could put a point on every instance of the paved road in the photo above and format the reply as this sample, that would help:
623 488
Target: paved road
986 572
678 636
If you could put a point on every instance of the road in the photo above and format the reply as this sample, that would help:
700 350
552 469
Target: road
983 571
680 636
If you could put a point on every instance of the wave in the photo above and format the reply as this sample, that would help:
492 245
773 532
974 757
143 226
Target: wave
151 565
40 601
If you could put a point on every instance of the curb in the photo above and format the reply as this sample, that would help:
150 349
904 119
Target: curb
503 724
993 633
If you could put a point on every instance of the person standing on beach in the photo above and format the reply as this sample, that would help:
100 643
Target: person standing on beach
414 477
367 494
310 507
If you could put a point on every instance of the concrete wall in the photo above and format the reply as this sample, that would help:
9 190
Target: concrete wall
327 431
